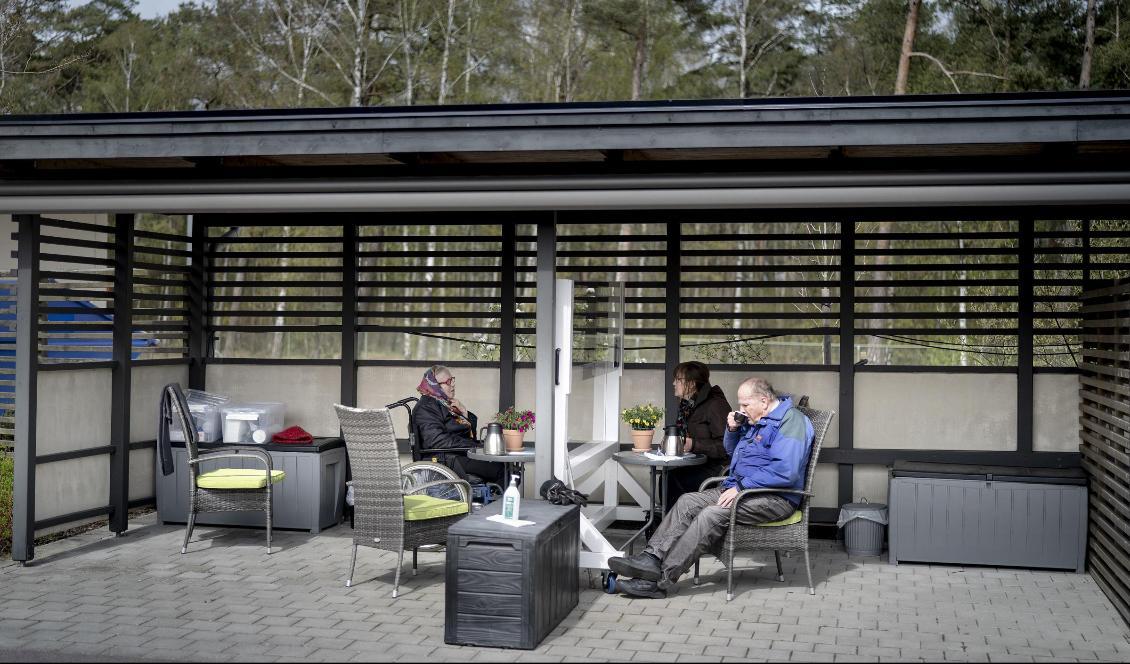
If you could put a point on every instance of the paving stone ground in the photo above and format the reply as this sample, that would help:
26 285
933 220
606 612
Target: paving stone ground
98 598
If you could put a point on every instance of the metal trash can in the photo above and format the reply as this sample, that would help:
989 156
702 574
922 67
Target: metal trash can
865 526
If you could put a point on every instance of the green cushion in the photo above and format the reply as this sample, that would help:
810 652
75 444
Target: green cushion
795 517
423 507
237 478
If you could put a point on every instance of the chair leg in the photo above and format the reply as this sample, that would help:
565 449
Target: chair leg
730 575
188 531
808 571
396 578
268 524
413 561
696 560
352 564
780 572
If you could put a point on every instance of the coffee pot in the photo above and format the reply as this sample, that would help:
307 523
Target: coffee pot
491 435
673 440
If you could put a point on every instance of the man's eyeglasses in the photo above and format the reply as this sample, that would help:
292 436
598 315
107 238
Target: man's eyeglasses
449 381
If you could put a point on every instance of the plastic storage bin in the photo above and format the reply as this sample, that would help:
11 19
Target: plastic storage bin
509 587
204 408
865 526
253 422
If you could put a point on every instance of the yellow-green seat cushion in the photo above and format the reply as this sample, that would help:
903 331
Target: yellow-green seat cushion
795 517
237 478
423 507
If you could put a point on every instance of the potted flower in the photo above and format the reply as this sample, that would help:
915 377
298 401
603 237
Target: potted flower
642 419
515 423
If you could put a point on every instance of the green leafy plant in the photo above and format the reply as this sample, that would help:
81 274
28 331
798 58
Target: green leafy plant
7 466
519 420
642 417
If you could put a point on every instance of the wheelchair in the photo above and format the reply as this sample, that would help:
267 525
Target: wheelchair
423 470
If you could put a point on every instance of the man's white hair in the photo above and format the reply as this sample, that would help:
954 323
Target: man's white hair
438 369
758 387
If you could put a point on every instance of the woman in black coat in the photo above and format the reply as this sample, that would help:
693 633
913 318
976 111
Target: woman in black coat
702 416
443 422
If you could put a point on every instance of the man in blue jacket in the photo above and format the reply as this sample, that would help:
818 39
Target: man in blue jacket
769 451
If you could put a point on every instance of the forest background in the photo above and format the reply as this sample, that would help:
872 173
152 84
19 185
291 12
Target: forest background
57 56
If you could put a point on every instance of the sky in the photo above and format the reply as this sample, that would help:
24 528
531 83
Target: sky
146 8
154 8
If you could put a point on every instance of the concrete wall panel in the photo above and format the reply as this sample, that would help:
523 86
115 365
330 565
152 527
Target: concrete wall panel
1055 413
826 485
935 411
870 482
70 486
145 397
141 469
377 386
309 392
73 410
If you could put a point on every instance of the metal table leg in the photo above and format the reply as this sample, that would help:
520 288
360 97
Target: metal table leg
647 527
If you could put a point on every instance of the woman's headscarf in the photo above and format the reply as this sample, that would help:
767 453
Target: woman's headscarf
431 387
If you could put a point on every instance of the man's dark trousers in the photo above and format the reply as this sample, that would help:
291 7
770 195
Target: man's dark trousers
696 523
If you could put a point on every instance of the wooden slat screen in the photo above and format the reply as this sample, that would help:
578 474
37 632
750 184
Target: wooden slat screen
161 300
1104 421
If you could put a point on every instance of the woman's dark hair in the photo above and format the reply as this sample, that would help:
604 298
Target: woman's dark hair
696 372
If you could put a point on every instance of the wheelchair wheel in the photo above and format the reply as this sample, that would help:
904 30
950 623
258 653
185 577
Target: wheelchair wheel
608 582
422 472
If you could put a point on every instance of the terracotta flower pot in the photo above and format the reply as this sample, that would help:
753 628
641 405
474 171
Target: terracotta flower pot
641 439
513 439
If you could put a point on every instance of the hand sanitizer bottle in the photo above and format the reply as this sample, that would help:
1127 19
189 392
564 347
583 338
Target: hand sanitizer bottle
510 500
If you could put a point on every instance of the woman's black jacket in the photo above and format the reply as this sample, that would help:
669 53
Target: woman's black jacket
437 429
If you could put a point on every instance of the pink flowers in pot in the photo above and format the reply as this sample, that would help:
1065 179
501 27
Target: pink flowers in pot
518 420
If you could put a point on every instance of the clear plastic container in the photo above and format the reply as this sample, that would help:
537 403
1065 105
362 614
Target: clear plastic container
204 407
252 423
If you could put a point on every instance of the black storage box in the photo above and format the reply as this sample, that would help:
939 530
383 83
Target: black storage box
509 587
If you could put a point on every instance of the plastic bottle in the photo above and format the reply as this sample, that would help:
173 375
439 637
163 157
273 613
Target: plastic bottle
510 500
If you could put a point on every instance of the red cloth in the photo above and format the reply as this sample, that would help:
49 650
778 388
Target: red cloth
295 435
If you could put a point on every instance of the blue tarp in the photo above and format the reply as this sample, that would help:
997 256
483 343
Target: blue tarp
8 342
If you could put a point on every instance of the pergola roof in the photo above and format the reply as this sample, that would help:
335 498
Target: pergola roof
806 128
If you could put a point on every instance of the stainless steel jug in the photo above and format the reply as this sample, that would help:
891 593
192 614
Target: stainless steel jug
491 435
673 440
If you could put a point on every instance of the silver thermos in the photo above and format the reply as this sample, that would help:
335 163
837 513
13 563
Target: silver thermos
491 435
673 440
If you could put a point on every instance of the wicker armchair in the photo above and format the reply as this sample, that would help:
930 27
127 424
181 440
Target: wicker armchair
224 489
789 534
387 515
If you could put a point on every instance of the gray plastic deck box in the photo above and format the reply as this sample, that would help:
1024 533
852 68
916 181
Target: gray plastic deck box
509 587
310 498
988 515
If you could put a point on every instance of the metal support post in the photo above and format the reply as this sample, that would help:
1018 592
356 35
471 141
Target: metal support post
508 299
27 364
1025 292
123 367
349 313
546 368
846 415
672 314
197 297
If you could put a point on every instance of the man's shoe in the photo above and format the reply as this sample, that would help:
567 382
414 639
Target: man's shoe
643 565
640 588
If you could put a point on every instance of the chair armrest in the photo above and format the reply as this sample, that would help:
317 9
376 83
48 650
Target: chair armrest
447 449
234 452
428 485
746 493
709 482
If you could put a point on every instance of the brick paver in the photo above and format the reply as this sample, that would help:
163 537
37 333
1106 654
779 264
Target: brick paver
99 598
